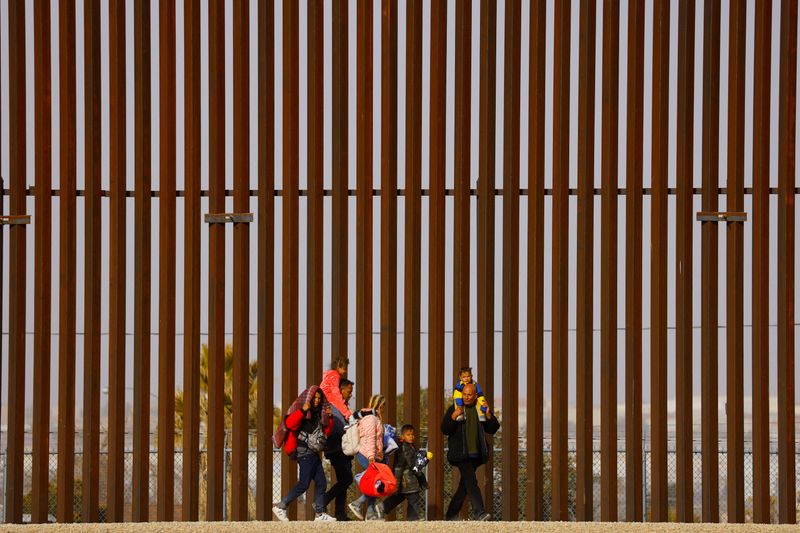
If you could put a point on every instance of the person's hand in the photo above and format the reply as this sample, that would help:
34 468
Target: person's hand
488 413
371 460
306 406
458 411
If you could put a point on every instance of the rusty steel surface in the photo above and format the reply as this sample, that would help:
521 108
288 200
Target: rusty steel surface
43 267
17 271
167 263
290 239
761 270
190 490
511 122
413 229
117 263
388 356
710 265
608 263
735 262
266 255
683 262
339 156
216 258
658 251
142 265
65 475
560 259
486 219
93 263
787 113
241 263
364 203
535 296
461 172
584 365
436 256
316 208
633 265
316 185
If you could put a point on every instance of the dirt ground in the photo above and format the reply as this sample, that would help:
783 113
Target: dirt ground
395 527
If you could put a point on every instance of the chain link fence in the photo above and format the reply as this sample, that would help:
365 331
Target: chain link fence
448 488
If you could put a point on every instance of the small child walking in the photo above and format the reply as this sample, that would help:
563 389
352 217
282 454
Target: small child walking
465 377
411 482
305 443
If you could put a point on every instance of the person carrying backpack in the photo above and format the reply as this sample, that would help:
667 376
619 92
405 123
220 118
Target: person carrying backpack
370 449
308 429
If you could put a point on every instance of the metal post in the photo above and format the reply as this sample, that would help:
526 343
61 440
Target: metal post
225 477
5 465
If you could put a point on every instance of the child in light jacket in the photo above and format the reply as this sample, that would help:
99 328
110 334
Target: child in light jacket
370 438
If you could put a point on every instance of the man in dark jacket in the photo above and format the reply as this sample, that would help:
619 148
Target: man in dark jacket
467 450
341 463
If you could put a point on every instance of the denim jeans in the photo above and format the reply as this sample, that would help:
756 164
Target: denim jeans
361 500
310 470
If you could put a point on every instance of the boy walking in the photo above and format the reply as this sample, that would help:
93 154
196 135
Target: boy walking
410 483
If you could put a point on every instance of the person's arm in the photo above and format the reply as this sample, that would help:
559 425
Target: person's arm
491 425
449 425
478 390
401 463
328 429
366 437
330 387
378 438
294 420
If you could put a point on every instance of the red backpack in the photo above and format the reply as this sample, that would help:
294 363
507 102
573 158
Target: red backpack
377 481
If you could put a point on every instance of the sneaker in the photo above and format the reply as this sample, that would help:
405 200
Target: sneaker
356 510
280 513
379 510
324 517
484 517
460 418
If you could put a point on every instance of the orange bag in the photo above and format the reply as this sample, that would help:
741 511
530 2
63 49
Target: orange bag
378 481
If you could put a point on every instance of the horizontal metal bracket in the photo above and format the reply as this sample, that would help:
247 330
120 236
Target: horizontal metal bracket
226 218
714 216
11 220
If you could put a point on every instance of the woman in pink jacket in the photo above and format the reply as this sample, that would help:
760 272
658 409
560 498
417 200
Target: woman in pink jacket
370 450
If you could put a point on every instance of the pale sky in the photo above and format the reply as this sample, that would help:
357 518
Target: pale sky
496 387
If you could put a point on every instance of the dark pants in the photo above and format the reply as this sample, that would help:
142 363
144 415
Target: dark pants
343 467
310 469
416 504
467 485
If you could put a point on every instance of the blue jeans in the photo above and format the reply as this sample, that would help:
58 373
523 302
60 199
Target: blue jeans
310 469
361 500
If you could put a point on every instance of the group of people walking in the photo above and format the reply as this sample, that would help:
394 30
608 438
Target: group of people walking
320 422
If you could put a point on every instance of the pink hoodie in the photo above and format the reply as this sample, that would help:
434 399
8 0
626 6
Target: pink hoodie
330 386
370 437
